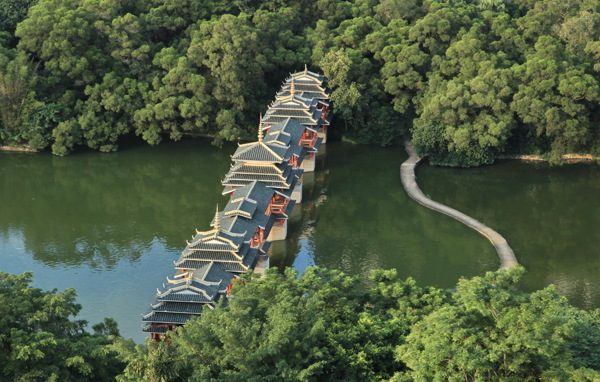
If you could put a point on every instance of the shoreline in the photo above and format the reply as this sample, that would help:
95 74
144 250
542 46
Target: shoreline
22 149
571 158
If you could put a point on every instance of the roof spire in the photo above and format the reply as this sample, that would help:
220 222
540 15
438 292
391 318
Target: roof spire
292 87
305 69
217 222
260 132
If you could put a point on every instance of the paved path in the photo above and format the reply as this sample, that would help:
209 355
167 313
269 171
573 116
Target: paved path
407 174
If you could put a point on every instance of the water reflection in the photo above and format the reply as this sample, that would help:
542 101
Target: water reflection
549 215
99 209
356 217
111 225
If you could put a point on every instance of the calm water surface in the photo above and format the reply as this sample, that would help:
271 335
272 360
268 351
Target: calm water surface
111 225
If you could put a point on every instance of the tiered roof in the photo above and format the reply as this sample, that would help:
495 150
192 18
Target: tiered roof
187 297
262 180
230 250
264 161
304 110
307 84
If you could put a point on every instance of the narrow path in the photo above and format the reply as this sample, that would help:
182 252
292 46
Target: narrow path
407 175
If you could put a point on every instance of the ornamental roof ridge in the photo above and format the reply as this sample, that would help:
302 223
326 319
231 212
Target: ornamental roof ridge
254 145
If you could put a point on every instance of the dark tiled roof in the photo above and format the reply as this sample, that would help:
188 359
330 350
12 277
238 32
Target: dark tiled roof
260 195
216 240
278 169
208 255
237 206
291 127
178 307
229 267
280 176
259 151
307 95
272 119
166 318
307 75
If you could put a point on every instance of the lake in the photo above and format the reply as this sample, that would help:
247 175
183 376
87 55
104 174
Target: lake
111 225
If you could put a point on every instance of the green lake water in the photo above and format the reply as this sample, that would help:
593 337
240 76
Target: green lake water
111 225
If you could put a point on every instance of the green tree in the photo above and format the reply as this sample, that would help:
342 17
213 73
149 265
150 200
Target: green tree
493 331
12 12
323 325
555 98
17 97
40 342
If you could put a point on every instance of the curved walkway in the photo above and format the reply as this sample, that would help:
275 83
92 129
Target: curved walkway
407 175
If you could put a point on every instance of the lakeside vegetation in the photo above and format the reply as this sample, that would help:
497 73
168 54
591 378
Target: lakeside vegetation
321 326
468 80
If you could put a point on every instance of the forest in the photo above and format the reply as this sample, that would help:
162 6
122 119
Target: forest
321 326
466 80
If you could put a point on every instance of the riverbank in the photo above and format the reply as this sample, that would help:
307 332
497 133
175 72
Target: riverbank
539 158
407 175
22 149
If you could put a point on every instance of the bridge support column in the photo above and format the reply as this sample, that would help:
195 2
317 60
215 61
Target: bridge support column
279 230
297 193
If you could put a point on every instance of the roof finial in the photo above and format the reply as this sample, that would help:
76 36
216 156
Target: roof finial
292 87
217 222
305 69
260 131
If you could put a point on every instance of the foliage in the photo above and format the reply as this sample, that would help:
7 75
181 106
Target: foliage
468 80
324 325
39 342
12 12
493 331
320 326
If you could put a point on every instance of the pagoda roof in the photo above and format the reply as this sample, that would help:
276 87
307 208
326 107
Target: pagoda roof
259 151
203 285
280 169
307 75
274 176
308 94
249 261
210 256
229 267
190 253
306 113
166 318
306 121
291 102
216 240
178 307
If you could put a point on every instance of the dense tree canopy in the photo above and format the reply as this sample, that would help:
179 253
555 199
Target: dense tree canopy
468 80
320 326
40 342
326 326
